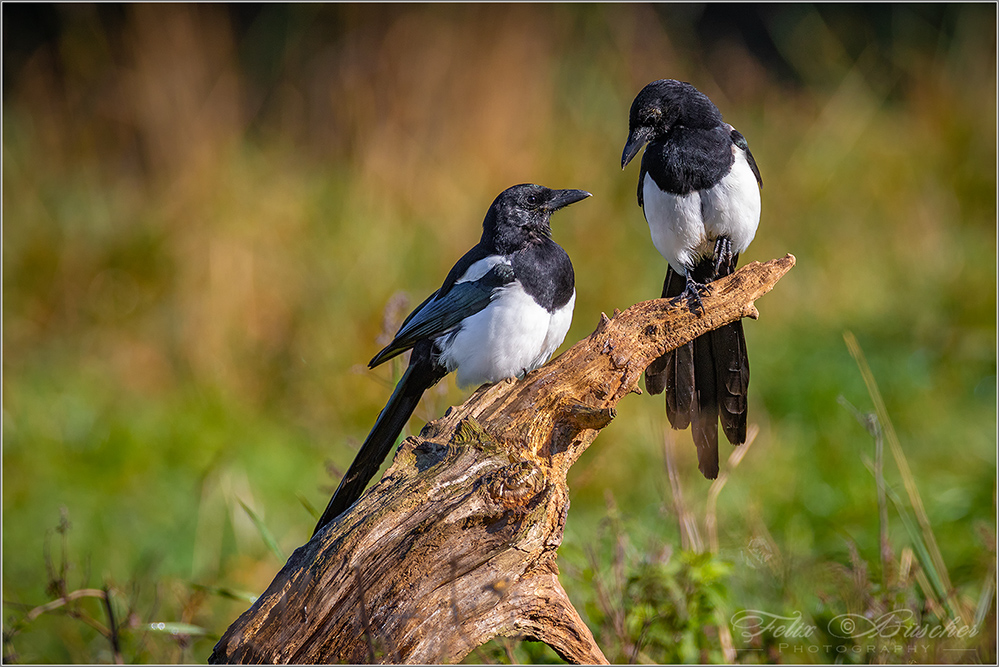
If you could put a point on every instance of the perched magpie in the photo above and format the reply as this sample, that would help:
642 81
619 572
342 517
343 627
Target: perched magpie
699 188
502 311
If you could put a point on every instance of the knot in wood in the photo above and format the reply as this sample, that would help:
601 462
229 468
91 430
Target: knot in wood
470 431
585 416
619 361
514 485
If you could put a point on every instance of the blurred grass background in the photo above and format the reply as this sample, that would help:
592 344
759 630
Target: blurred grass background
207 209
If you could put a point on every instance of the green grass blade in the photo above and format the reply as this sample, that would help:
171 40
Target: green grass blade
309 507
226 592
919 546
265 533
986 598
178 629
908 479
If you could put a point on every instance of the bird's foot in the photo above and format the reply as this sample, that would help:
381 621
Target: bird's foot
693 293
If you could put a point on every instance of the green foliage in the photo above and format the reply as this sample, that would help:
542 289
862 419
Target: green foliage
213 215
672 606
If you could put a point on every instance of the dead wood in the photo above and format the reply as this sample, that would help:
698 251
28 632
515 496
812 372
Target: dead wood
457 542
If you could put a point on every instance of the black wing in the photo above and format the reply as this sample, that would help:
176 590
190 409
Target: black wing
440 313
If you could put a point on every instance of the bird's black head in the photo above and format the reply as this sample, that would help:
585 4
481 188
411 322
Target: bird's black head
660 106
522 214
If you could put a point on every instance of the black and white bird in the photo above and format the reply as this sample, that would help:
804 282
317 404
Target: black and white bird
699 188
502 311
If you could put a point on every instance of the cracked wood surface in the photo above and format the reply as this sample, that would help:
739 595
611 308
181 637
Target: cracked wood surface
457 542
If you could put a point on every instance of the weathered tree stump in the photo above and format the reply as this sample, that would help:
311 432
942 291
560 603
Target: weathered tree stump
457 542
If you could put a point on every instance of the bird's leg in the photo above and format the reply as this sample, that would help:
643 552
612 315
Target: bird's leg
723 257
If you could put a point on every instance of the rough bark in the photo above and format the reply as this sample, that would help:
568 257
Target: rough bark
457 542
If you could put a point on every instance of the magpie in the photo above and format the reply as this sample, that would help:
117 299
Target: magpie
502 311
699 188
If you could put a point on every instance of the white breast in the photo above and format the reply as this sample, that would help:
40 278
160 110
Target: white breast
508 338
732 208
684 227
675 223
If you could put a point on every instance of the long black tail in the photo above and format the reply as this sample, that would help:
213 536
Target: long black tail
706 379
421 374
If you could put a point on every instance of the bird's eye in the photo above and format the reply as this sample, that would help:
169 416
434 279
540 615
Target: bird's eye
532 200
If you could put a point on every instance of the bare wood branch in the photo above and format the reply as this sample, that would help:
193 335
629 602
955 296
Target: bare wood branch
457 542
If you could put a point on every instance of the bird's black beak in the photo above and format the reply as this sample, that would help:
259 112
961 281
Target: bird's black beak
638 138
563 198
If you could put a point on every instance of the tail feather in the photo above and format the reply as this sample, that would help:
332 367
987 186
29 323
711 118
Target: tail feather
704 411
706 380
680 385
420 376
732 368
662 373
656 375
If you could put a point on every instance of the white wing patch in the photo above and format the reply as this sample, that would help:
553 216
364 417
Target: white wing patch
481 268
